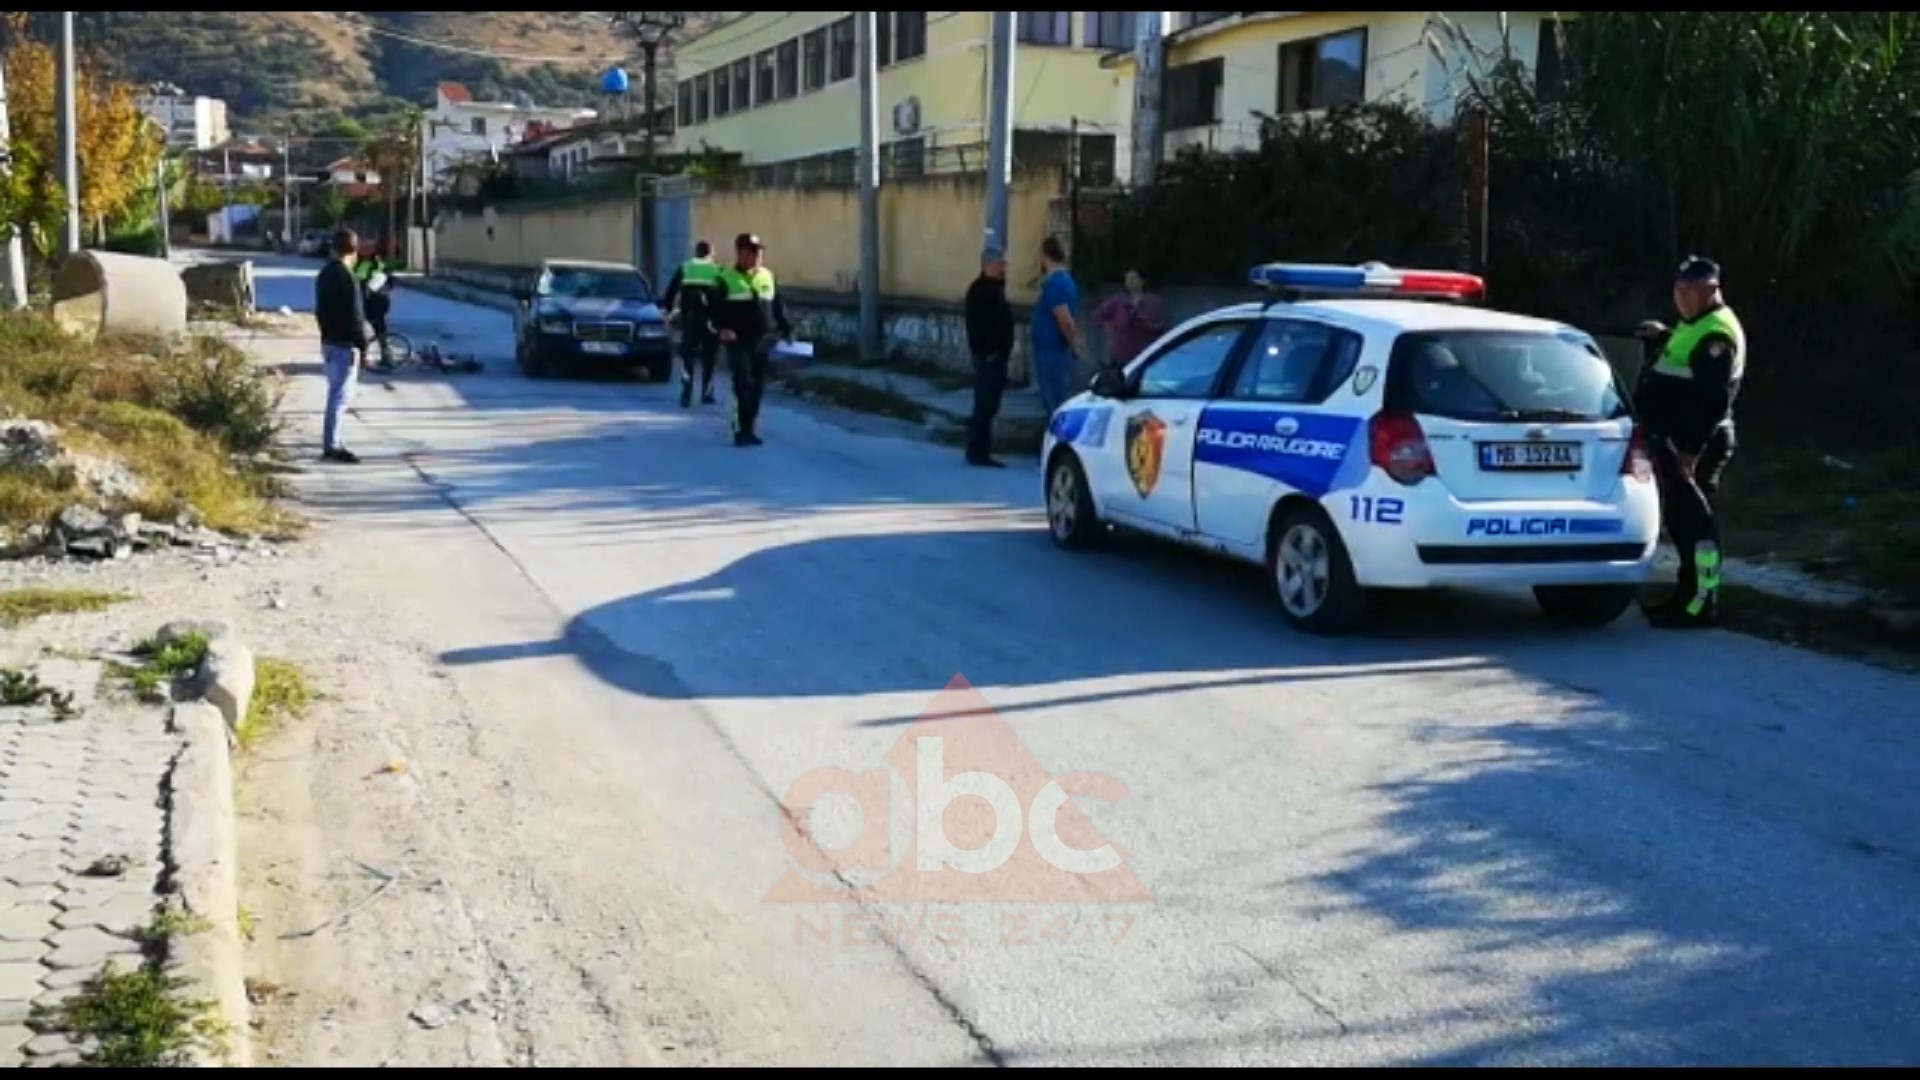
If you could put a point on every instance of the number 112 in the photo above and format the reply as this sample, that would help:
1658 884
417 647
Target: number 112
1378 511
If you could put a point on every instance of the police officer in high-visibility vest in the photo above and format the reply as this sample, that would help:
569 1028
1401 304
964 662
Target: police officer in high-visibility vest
696 283
1685 403
749 319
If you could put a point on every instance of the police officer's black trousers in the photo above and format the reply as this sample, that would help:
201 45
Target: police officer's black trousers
699 348
747 360
1687 505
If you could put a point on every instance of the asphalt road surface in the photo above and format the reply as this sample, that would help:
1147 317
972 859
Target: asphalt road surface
1466 838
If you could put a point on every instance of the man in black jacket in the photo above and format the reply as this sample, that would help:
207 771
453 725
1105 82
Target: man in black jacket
990 340
338 308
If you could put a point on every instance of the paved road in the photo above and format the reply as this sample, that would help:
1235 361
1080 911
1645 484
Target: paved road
1467 838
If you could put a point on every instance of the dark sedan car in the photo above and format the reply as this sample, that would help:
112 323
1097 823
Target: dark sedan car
578 316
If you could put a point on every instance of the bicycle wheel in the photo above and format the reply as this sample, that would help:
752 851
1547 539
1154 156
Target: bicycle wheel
399 355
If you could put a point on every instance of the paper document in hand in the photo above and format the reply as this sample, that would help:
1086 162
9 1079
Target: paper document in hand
377 283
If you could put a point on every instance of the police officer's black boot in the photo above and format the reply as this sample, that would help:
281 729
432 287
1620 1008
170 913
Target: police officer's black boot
1695 606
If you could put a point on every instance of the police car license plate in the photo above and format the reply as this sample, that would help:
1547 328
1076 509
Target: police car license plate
1548 457
603 348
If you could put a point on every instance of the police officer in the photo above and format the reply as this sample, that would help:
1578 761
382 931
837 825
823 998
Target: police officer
696 282
1685 401
749 320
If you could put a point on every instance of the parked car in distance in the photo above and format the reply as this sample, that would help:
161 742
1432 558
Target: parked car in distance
574 316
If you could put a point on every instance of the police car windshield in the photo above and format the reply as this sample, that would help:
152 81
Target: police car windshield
1511 375
579 284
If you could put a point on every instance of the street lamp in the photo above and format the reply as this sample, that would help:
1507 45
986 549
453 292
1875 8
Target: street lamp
650 30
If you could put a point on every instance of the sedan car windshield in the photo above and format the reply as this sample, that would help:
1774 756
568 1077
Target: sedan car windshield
580 284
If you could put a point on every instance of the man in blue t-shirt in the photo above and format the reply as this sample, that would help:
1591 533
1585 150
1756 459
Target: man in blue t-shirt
1056 335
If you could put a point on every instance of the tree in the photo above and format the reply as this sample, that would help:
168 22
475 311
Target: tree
118 149
328 207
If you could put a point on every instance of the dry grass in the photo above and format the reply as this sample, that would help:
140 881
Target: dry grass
19 606
175 417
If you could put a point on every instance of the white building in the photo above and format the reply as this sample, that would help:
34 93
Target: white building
191 122
461 129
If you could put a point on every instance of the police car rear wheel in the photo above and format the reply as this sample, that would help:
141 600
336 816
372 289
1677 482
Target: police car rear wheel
1313 576
1070 514
1584 605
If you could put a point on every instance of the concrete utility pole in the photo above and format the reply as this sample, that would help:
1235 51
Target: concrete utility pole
863 49
1149 81
69 134
286 191
16 280
166 220
1000 130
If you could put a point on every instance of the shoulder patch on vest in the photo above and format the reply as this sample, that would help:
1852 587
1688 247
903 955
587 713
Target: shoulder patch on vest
1718 348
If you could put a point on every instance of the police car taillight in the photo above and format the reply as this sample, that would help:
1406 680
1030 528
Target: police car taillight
1368 279
1639 460
1398 447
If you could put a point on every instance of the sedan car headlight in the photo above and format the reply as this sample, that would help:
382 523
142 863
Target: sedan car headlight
556 326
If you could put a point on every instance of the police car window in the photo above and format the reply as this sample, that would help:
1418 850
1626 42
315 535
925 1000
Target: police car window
1502 375
1296 361
1191 367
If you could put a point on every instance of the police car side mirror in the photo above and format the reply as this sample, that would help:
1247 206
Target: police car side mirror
1109 383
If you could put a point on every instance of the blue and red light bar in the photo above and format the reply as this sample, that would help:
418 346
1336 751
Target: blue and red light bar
1370 279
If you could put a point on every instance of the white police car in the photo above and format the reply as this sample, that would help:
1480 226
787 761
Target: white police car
1378 442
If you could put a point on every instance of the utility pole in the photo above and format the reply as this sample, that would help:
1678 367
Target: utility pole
16 280
651 30
863 49
166 219
226 188
286 190
1149 82
69 134
1000 130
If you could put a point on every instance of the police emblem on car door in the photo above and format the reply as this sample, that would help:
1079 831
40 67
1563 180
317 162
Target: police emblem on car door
1146 448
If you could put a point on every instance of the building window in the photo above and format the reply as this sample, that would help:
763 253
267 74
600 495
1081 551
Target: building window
788 57
700 90
843 49
882 39
1321 73
813 50
1046 27
722 93
1549 71
479 125
910 35
742 74
1193 94
685 92
1110 29
763 77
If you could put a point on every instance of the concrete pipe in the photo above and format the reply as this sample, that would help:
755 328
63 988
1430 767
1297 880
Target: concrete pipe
222 285
97 292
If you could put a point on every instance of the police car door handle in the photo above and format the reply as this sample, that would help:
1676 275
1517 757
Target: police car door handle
1180 421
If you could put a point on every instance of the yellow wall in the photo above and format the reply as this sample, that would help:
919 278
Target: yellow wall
1054 86
931 230
600 230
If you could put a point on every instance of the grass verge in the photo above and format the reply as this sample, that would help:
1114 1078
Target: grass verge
1854 517
21 606
280 692
175 416
1852 632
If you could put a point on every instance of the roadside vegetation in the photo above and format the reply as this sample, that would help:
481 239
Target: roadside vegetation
280 692
164 663
20 606
185 423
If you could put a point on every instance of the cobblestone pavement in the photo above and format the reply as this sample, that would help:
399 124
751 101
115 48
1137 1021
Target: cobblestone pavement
81 842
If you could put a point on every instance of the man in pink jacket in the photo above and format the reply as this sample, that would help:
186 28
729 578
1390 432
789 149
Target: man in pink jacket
1132 319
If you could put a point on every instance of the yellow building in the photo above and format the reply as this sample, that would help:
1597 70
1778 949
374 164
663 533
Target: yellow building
1226 70
779 89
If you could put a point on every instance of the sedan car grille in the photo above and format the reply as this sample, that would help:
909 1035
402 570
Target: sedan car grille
603 331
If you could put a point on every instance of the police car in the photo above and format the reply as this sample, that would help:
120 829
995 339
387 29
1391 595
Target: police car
1376 439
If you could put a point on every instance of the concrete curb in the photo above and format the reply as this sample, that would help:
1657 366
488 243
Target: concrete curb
203 846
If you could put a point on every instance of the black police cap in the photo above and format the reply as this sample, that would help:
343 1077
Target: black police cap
747 240
1698 268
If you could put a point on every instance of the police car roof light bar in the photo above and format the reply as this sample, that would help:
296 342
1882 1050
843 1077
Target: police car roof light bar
1368 279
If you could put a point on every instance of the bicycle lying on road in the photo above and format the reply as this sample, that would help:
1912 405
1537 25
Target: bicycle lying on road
399 355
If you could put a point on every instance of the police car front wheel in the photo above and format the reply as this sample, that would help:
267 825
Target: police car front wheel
1070 514
1313 575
